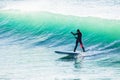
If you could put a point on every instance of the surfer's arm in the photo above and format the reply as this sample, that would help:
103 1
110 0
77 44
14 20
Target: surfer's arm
73 33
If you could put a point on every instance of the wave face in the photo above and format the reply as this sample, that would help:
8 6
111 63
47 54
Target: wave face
44 29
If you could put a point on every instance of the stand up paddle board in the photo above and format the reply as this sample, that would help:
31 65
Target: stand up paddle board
67 52
84 54
71 55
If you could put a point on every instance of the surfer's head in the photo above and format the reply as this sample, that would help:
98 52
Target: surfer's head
78 30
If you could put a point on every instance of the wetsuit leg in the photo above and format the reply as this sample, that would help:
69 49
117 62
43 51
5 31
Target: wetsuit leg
81 45
76 45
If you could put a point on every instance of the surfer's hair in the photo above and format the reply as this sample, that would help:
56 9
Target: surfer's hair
78 30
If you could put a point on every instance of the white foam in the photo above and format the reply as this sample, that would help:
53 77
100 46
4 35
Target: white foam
105 9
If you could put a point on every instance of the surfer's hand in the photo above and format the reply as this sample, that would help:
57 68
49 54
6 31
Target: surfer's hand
75 37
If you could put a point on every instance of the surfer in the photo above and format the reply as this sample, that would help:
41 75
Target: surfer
78 37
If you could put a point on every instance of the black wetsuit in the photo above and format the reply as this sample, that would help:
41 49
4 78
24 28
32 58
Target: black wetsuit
79 40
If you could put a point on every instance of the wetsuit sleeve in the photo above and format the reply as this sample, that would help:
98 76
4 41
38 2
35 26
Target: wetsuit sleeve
74 33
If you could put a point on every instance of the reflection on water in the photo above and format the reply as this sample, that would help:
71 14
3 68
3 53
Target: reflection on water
78 65
76 59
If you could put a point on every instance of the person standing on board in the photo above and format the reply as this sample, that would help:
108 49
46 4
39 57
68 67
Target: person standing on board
78 37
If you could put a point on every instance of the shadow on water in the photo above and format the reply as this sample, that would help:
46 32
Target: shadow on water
67 58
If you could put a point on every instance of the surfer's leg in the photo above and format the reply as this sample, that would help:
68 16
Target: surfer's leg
81 45
76 45
83 49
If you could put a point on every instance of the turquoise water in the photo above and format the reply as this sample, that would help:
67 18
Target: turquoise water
28 42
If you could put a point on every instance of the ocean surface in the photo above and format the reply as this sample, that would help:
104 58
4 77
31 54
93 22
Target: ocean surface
28 41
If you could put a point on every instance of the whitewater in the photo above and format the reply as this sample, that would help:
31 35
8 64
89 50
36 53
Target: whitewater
31 31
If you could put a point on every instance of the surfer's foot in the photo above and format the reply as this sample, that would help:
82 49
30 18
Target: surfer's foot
83 49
